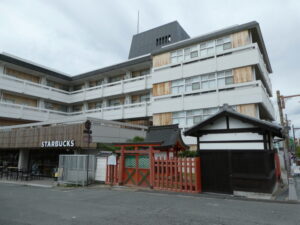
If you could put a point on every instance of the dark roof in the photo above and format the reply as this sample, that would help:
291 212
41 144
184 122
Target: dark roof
32 66
114 67
168 135
145 42
254 26
226 110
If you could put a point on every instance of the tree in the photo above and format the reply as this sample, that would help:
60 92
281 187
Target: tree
298 151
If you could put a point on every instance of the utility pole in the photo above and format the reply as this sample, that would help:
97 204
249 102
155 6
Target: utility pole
287 139
279 103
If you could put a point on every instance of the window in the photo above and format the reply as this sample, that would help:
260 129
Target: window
77 87
225 78
177 56
115 102
179 118
7 100
115 79
177 86
207 49
98 105
50 83
208 81
192 117
49 105
163 40
145 97
94 83
192 84
77 108
191 52
223 44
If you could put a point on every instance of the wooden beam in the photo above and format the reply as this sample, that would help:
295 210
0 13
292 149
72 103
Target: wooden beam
236 130
233 141
145 152
227 122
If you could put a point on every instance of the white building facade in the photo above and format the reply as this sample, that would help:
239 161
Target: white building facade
169 78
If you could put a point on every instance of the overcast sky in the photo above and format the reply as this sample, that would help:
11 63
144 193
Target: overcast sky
79 36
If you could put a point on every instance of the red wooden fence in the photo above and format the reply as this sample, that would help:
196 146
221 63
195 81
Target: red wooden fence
177 174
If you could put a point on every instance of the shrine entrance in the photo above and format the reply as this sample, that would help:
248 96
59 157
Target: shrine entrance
137 170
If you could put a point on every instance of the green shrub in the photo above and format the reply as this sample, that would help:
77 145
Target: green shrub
188 154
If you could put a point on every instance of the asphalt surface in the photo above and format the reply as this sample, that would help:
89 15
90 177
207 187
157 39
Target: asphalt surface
20 205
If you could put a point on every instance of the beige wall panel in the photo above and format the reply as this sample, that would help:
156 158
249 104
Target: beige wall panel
161 60
161 119
240 39
248 109
22 75
243 74
161 89
21 100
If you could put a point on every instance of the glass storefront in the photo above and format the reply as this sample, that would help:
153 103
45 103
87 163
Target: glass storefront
9 158
44 162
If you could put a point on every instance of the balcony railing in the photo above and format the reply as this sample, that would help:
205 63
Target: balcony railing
135 110
232 58
235 94
42 91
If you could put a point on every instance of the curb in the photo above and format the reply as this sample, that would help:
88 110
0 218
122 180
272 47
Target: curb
27 184
205 195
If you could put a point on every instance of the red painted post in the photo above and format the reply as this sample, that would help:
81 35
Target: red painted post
180 174
121 166
192 162
167 171
171 173
116 172
185 174
158 172
151 167
176 172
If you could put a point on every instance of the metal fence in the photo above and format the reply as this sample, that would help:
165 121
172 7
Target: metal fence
76 169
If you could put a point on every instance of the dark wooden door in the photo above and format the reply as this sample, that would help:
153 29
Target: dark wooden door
215 171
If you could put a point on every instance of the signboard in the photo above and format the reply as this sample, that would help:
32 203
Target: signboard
56 144
112 160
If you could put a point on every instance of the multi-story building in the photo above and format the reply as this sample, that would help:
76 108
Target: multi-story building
169 78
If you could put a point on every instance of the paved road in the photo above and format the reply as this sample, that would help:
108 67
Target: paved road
20 205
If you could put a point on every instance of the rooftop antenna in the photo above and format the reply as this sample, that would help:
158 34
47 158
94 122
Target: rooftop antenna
138 22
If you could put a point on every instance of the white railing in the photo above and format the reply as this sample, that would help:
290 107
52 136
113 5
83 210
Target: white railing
114 112
265 73
39 90
232 50
242 93
225 53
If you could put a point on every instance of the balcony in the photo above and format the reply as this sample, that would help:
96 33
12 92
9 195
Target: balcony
236 94
232 58
16 85
137 110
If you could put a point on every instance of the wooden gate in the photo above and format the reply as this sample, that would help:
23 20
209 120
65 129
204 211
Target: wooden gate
137 170
215 172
